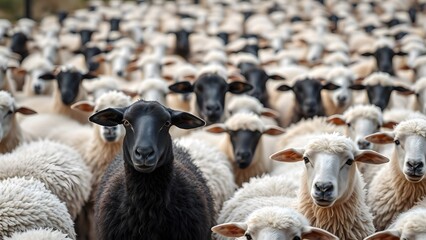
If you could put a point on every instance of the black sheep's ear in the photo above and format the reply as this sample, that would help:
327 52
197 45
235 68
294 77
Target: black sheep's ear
185 120
88 76
109 117
367 54
182 87
401 53
330 86
357 87
284 88
403 91
239 87
47 76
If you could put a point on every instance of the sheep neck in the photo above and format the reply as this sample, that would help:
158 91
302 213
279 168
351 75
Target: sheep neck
149 193
13 138
348 219
401 195
99 154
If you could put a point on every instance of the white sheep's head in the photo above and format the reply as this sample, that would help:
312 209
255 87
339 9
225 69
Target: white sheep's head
7 113
361 121
330 171
111 134
409 138
273 223
410 225
343 77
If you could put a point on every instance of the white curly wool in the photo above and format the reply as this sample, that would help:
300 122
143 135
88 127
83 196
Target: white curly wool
363 111
39 234
215 167
26 204
59 167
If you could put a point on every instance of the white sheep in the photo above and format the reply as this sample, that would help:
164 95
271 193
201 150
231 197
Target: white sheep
35 66
58 166
337 101
42 234
153 89
331 194
244 144
264 209
215 167
401 183
408 225
26 204
11 134
249 104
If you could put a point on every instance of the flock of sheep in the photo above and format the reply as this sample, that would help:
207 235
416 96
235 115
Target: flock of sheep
219 119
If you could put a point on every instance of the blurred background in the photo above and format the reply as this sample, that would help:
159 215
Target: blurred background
15 9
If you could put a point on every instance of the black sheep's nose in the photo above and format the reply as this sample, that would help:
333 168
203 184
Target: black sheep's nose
213 108
243 155
144 152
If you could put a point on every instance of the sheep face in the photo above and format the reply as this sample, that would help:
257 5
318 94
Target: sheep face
342 97
308 96
152 70
273 223
257 78
6 113
50 52
182 43
120 61
210 90
85 36
330 169
147 141
315 52
379 95
384 59
111 134
410 145
114 24
19 44
244 144
89 53
38 83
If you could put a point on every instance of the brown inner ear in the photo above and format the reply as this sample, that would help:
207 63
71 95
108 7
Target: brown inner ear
389 125
336 120
288 155
25 111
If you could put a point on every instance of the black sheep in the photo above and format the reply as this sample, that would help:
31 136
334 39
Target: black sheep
156 192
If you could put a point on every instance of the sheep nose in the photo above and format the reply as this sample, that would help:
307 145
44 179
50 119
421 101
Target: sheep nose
362 144
37 89
341 98
324 188
243 155
414 165
120 73
143 153
213 107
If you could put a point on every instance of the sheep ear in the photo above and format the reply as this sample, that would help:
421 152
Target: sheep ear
403 91
330 86
284 88
182 87
367 54
371 157
239 87
47 76
88 76
288 155
267 112
273 130
185 120
276 77
389 124
129 93
109 117
381 137
216 128
25 111
337 120
313 233
357 87
233 229
385 235
84 106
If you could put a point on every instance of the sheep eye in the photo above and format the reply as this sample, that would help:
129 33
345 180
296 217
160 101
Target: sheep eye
349 124
350 161
306 159
167 124
8 113
126 123
296 238
397 142
248 236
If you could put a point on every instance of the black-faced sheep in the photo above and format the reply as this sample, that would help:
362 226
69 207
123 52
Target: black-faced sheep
152 191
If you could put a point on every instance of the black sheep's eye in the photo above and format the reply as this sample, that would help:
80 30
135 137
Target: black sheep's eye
126 123
397 142
350 161
248 236
306 159
296 238
168 124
